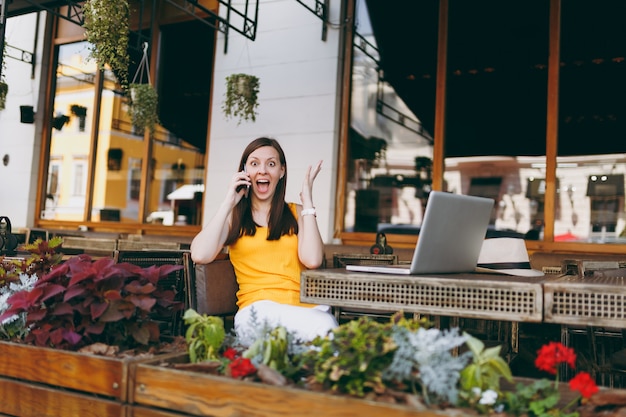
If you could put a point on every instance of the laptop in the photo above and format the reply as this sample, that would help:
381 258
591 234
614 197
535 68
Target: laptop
452 233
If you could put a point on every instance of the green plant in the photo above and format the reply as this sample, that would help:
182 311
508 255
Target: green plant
486 369
241 97
78 110
144 106
271 350
352 359
4 91
425 361
21 274
4 87
43 257
106 29
15 325
480 380
81 302
387 361
205 336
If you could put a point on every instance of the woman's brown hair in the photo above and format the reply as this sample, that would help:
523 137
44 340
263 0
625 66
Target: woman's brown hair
281 221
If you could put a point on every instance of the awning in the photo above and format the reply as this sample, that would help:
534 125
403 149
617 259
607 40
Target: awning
186 192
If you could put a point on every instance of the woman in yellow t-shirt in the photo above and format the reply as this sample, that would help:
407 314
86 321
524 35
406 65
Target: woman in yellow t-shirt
270 243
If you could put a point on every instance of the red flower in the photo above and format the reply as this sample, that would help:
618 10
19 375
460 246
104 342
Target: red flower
230 353
583 383
241 367
553 354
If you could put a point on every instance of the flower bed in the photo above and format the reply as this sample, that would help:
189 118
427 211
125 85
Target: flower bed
198 394
357 371
76 331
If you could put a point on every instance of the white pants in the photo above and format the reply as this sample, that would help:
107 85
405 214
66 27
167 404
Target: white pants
305 323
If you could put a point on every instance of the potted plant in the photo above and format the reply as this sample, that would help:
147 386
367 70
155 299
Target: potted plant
4 87
106 29
4 90
241 97
80 112
144 106
85 325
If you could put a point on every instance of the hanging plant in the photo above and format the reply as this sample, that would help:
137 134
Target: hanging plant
144 106
242 91
4 90
78 110
106 29
144 100
4 87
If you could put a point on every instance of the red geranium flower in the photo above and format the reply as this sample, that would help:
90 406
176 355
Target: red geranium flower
583 383
241 367
230 353
553 354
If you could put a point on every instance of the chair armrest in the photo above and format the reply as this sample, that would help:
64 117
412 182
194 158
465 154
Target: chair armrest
216 288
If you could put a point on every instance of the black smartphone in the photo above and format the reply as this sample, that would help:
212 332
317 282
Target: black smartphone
241 187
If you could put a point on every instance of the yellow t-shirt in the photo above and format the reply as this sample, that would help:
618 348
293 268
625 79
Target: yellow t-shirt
267 269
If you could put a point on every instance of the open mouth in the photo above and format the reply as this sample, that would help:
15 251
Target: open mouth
263 186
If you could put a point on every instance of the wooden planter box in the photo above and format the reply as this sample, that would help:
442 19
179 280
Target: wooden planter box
36 381
81 372
186 393
36 400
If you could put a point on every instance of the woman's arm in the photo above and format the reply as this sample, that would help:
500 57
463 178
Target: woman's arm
310 244
207 244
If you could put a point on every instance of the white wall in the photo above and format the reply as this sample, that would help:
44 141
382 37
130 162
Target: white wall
298 106
18 179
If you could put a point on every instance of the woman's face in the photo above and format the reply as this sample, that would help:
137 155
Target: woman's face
265 170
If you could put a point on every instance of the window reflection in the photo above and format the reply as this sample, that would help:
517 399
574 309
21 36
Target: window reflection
118 174
592 199
70 143
592 122
390 150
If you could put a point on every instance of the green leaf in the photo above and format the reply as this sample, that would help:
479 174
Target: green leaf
492 352
190 315
474 344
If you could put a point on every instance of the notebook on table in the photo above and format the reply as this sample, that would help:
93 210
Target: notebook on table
451 235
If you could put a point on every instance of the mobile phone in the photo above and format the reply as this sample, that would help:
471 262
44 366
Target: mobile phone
241 187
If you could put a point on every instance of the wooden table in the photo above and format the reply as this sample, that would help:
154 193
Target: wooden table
589 301
479 296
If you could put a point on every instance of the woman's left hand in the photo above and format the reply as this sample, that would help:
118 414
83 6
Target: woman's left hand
306 195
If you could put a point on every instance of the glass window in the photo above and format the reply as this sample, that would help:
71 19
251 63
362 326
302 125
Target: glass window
171 186
390 142
496 109
79 178
592 123
69 146
495 117
496 114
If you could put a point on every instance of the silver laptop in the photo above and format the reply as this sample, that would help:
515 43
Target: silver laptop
452 233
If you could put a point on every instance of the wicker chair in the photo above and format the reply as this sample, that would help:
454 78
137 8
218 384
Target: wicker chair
215 291
180 281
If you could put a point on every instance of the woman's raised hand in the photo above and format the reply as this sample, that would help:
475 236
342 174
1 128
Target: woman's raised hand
306 195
